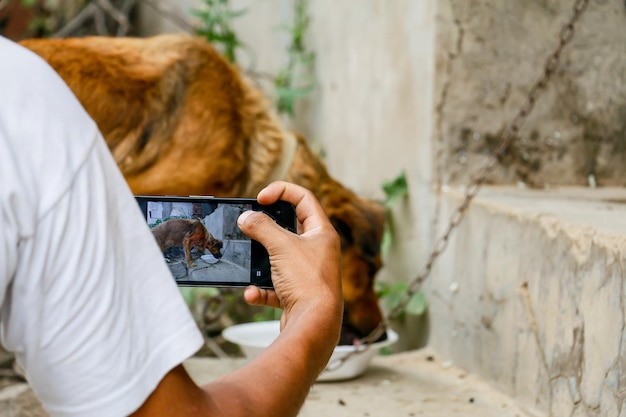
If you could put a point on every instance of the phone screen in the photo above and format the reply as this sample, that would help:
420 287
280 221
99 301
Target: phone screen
202 244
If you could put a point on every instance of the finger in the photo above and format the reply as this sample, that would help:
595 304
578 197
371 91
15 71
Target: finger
308 209
260 227
261 297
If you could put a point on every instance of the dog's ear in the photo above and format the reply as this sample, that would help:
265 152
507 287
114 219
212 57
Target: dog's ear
360 225
344 231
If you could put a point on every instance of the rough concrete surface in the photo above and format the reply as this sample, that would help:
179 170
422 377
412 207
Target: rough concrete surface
490 52
409 384
530 295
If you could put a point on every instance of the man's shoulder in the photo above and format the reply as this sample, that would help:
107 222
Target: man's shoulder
20 63
44 130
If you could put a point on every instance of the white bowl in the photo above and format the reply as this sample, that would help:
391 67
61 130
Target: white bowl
253 338
210 259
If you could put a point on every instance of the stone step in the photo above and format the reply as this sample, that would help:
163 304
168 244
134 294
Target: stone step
530 296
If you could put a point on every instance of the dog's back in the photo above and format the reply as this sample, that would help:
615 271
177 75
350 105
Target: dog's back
171 104
171 233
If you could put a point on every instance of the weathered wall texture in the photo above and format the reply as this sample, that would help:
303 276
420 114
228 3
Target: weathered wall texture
531 295
488 55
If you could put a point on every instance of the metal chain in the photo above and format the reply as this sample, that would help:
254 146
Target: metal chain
510 133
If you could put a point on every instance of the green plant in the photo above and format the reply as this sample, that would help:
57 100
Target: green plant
394 190
216 26
294 81
159 221
391 294
39 25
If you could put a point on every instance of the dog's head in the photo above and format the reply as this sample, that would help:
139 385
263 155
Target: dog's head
213 245
203 239
360 225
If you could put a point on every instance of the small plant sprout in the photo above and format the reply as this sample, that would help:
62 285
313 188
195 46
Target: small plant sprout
391 294
294 81
216 26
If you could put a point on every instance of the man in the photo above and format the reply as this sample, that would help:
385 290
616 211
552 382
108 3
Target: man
87 303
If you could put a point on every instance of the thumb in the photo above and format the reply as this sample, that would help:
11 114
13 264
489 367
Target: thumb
260 227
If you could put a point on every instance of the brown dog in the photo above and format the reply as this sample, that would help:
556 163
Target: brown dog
180 120
187 234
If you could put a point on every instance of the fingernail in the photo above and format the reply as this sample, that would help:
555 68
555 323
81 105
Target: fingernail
243 216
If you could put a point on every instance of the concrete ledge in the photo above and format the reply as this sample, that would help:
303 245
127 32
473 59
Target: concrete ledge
530 296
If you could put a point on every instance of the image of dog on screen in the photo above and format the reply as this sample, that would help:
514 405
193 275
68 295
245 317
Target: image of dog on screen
188 234
201 241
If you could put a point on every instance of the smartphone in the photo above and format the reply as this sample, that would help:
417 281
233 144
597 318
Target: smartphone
202 244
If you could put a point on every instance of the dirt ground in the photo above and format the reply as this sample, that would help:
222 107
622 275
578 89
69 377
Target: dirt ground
416 383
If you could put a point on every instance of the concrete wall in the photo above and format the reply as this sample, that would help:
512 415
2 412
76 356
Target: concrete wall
490 52
222 224
530 295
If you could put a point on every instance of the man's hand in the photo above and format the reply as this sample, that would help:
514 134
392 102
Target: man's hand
304 266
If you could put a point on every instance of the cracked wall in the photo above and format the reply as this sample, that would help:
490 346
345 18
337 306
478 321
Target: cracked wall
533 300
488 55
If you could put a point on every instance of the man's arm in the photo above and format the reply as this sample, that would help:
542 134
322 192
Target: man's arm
307 282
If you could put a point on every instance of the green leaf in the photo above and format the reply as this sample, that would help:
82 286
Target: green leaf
417 305
382 288
395 189
391 294
392 300
385 245
385 351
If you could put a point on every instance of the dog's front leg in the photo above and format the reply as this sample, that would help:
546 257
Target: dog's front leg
187 244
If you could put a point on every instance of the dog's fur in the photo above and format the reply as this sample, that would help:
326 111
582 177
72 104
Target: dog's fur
187 234
181 120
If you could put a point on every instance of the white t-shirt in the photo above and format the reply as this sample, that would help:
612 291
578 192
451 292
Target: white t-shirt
87 303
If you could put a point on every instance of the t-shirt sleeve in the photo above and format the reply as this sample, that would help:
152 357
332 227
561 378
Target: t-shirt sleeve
95 318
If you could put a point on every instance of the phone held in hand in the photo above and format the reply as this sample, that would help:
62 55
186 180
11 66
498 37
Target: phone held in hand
202 244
